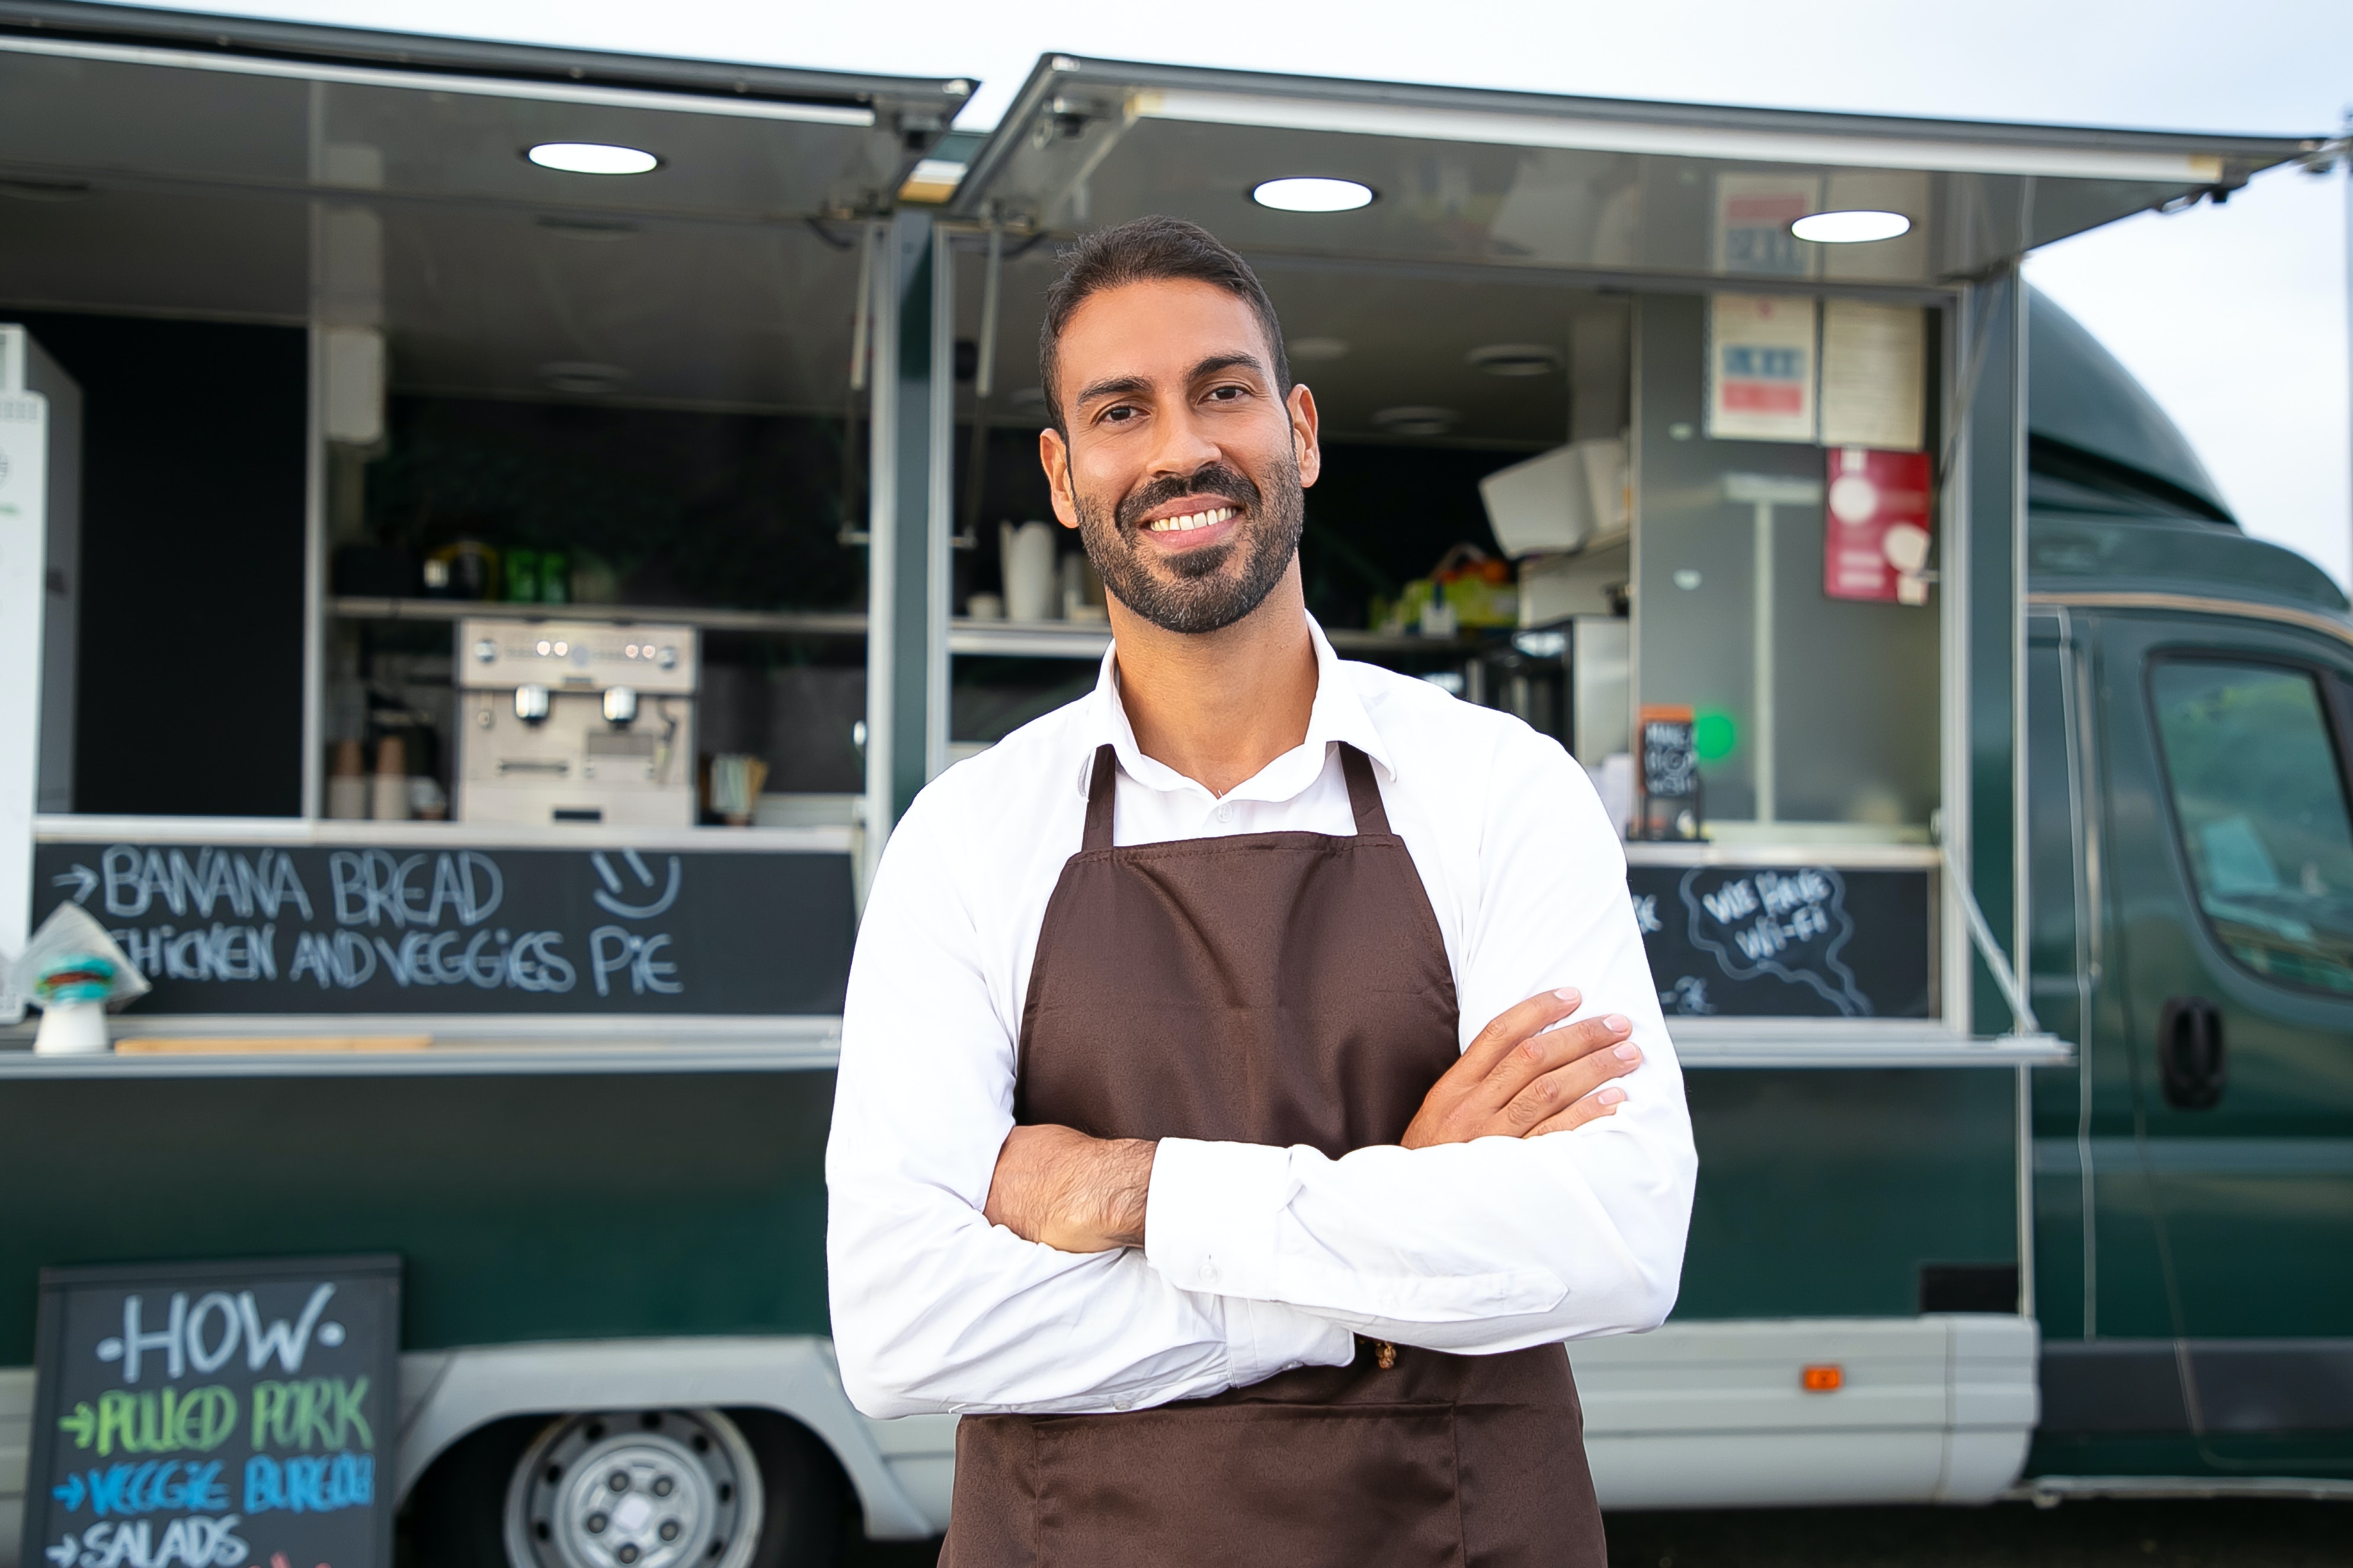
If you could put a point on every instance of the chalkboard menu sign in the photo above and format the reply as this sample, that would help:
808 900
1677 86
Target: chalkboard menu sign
1805 941
321 929
216 1415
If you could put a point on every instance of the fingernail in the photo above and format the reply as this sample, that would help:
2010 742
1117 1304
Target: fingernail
1610 1096
1618 1023
1566 993
1628 1051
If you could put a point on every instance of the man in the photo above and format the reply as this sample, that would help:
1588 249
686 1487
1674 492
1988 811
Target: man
1218 1130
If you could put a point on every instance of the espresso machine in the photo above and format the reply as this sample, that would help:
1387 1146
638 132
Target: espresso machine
563 720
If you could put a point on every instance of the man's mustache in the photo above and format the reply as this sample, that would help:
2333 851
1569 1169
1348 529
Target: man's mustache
1211 479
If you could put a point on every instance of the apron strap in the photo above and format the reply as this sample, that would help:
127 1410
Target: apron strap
1102 789
1364 791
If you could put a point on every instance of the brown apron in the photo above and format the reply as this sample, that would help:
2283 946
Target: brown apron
1276 989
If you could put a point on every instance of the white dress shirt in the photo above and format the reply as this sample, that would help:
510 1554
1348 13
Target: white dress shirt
1256 1259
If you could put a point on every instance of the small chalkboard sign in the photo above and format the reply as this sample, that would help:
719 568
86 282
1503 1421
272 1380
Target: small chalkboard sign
1670 753
1799 941
216 1415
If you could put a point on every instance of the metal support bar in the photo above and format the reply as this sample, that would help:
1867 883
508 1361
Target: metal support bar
939 512
882 532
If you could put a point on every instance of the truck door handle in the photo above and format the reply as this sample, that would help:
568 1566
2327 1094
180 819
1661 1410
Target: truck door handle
2190 1054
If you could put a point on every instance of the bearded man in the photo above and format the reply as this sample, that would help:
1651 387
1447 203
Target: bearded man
1251 1074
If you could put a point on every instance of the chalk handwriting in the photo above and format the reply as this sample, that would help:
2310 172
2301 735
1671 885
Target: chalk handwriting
152 1420
317 1484
1789 924
182 1339
328 1410
377 887
221 953
136 879
634 954
608 898
156 1485
195 1542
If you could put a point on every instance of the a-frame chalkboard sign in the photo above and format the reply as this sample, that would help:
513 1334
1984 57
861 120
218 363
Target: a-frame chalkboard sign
216 1415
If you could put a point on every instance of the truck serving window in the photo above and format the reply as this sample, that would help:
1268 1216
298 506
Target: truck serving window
2260 804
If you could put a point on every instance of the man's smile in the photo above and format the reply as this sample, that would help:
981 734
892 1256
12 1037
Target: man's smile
1191 522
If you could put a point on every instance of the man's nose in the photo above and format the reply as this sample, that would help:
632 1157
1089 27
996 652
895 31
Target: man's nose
1183 445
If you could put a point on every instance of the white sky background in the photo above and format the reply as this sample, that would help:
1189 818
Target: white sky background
2235 318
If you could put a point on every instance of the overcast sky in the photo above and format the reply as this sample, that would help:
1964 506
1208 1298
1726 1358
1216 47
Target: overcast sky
2234 317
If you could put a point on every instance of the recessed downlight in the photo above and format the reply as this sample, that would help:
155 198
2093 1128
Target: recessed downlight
1517 359
1312 193
1857 228
582 377
592 158
1416 421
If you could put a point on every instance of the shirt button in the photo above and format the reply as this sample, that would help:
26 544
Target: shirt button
1225 813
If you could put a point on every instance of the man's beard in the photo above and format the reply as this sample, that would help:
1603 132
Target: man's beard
1203 596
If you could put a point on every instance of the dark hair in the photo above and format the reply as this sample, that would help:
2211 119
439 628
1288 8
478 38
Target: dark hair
1147 249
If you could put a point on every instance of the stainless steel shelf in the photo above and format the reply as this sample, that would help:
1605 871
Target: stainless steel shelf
1079 640
1004 639
801 622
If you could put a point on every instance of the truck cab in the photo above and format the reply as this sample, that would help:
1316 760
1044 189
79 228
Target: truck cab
2187 854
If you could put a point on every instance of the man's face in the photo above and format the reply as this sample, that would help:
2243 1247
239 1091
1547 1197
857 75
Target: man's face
1184 467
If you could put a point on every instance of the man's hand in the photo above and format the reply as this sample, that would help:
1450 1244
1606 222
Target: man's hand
1516 1081
1075 1193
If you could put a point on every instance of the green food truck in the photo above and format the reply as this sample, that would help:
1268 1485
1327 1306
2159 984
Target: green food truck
584 497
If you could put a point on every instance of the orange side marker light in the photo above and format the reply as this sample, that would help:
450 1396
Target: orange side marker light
1823 1379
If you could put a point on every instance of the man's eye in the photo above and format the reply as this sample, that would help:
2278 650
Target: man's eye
1119 413
1224 394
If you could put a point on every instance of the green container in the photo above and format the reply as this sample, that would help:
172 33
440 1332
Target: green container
522 577
554 578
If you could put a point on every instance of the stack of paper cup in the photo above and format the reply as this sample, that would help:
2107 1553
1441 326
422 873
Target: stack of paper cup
347 785
389 797
1031 588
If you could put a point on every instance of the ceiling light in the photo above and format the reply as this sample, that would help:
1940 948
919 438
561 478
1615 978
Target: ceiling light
1849 228
1517 359
592 158
1311 193
1315 350
1414 422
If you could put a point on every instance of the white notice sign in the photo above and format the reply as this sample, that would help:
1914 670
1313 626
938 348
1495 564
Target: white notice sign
1873 364
1760 367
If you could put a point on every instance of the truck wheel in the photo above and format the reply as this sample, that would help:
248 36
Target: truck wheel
638 1489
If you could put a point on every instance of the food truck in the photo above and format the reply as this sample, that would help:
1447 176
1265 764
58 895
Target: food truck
495 535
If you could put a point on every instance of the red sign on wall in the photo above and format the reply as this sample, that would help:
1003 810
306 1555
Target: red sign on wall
1876 541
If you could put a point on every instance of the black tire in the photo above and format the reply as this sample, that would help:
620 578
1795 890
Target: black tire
800 1526
454 1515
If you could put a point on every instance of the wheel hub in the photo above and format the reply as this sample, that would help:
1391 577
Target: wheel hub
636 1490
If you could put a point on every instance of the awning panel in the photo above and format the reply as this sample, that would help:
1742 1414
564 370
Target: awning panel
1514 179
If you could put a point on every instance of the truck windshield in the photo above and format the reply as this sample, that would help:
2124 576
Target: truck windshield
2260 803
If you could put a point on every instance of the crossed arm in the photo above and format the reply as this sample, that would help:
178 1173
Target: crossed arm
1526 1203
1520 1077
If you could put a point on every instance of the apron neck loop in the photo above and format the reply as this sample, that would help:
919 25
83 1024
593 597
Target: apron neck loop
1102 790
1363 791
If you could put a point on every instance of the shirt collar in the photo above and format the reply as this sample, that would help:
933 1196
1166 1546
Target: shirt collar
1338 715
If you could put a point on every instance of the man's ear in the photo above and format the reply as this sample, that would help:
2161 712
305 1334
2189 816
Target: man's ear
1305 446
1054 456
